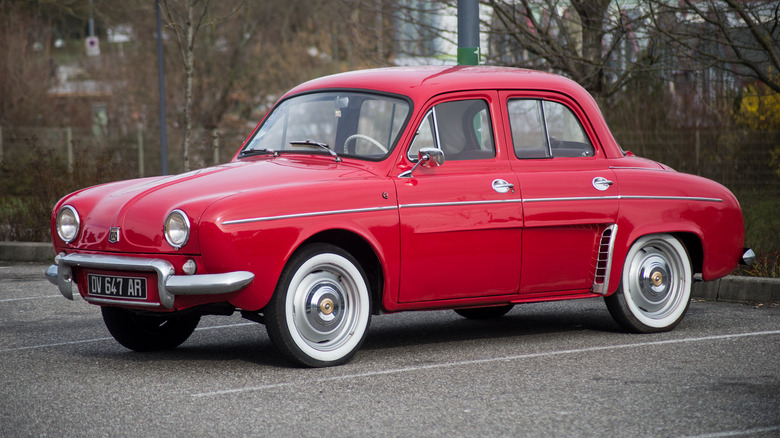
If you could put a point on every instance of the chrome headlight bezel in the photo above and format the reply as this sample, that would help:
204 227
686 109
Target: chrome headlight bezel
68 223
177 228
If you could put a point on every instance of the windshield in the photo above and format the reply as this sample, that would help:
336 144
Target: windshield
352 124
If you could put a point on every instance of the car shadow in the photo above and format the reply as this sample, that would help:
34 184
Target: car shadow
386 332
523 320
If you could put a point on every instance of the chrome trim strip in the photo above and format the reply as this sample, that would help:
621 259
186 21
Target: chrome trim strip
573 198
618 197
314 213
639 168
115 301
456 203
168 284
673 198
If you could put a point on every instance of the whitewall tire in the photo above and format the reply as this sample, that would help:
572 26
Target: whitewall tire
655 287
321 309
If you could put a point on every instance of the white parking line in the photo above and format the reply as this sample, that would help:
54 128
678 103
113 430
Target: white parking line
86 341
30 298
240 324
59 344
479 361
749 432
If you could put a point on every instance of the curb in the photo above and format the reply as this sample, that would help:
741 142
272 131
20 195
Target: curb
734 289
731 289
27 252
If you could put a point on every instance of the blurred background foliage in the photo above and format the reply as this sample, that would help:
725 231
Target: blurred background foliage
686 83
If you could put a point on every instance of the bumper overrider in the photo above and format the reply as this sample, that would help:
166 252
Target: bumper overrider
168 284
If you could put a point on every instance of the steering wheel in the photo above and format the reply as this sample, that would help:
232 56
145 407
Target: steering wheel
367 138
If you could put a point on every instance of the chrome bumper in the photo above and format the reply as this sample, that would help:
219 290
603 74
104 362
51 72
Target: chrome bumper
168 284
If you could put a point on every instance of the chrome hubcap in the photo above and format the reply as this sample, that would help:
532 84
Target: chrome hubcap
324 311
655 274
324 305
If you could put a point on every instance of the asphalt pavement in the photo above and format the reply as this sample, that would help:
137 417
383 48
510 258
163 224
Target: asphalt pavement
546 369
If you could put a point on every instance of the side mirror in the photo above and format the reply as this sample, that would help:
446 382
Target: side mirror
429 157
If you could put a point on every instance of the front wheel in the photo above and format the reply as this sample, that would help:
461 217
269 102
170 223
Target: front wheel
655 288
321 309
144 332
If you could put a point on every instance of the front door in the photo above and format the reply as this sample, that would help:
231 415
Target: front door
461 221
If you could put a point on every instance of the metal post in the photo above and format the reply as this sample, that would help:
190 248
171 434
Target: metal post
215 143
140 137
69 148
698 149
468 32
161 87
91 21
1 145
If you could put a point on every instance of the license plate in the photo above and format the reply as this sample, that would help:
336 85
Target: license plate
117 287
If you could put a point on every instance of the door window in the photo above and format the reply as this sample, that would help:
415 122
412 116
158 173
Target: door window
462 129
544 129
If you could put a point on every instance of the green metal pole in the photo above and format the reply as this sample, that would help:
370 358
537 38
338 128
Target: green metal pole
468 32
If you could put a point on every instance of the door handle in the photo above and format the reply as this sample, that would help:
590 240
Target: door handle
502 186
601 183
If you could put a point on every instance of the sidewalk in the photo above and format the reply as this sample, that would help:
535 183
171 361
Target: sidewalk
728 289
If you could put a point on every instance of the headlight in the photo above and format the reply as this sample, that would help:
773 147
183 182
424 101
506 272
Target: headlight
68 223
177 228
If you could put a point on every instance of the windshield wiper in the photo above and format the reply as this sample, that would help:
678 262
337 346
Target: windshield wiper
308 142
253 152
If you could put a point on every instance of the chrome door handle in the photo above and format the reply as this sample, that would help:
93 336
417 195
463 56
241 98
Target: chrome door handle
601 183
502 186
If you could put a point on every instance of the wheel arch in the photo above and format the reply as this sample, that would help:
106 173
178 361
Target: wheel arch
363 252
693 245
690 239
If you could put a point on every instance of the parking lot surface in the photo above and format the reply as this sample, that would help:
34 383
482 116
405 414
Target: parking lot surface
547 369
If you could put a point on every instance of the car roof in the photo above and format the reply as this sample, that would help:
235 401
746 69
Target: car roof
425 81
421 83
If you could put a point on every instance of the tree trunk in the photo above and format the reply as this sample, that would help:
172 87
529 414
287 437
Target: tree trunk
592 15
188 74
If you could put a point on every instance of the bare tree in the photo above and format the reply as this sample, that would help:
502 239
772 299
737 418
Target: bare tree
741 38
185 25
597 43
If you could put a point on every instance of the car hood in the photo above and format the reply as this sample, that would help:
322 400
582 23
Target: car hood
139 207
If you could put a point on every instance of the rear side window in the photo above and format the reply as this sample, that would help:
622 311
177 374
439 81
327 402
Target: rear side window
545 129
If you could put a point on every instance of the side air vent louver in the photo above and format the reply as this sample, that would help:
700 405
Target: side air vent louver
604 260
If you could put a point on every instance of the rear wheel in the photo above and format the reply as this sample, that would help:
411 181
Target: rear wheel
321 309
655 288
484 312
143 332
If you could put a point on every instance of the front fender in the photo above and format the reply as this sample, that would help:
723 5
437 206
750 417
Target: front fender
259 234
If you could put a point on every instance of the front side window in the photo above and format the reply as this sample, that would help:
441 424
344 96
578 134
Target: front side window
462 129
354 124
544 129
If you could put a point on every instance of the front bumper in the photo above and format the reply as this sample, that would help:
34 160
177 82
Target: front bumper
168 284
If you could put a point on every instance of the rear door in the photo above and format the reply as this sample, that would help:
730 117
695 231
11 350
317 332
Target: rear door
570 195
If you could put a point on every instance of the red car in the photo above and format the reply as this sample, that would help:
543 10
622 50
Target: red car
465 188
